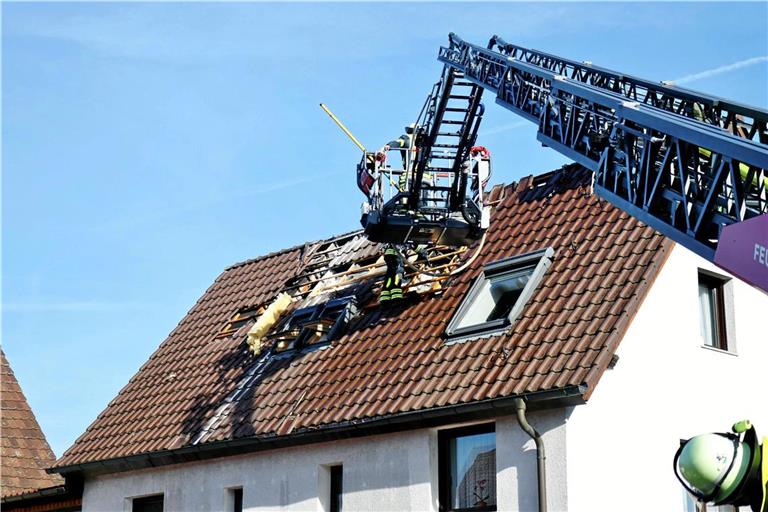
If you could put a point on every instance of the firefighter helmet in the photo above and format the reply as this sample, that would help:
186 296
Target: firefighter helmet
713 466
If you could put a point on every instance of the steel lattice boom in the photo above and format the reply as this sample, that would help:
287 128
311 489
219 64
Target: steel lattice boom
742 120
686 164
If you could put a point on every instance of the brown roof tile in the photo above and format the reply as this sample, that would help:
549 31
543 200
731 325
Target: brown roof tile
398 362
24 451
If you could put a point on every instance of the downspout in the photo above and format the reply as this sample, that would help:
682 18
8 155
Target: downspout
540 455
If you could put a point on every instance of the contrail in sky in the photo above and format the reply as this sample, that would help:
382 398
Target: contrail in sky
722 69
504 128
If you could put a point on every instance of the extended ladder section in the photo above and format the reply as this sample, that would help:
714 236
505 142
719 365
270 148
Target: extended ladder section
684 163
452 121
431 204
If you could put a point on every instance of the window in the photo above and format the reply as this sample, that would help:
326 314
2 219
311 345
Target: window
467 468
236 499
337 488
498 296
330 486
148 504
714 310
314 325
286 338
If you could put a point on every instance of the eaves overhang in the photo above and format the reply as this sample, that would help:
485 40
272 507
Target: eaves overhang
63 498
428 418
40 493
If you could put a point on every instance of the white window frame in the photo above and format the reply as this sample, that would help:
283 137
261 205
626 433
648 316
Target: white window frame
324 485
230 500
495 271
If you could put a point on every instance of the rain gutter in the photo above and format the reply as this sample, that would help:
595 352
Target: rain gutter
485 409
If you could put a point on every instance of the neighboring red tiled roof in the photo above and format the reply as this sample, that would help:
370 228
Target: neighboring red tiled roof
398 362
25 452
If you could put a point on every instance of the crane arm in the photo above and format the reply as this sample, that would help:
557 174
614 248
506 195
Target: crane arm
689 175
740 119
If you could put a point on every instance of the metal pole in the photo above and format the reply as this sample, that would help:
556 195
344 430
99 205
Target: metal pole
343 128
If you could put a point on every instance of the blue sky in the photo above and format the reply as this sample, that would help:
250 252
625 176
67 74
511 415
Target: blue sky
148 146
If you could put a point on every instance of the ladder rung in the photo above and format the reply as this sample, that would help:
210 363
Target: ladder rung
449 121
436 189
449 134
452 146
463 82
459 97
455 109
443 157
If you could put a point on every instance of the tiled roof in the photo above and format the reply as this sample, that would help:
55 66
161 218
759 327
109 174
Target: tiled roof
25 452
396 362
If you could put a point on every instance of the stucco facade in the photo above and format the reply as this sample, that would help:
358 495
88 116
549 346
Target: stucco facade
666 386
381 473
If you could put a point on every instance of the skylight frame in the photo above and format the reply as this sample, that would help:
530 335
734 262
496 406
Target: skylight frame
342 310
508 268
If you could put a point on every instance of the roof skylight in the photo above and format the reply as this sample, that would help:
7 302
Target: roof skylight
498 295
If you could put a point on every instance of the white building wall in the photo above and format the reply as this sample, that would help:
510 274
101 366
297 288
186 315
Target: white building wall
393 472
382 473
666 386
516 462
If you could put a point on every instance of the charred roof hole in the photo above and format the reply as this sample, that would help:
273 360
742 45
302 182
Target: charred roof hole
542 180
241 317
498 295
546 185
315 325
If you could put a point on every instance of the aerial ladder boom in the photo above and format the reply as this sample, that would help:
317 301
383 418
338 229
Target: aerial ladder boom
742 120
692 166
439 195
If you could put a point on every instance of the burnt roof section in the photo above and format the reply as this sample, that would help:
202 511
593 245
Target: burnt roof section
25 451
396 364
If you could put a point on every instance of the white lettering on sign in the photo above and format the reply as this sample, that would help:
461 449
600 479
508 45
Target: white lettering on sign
761 254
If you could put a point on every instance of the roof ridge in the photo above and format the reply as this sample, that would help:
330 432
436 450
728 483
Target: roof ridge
515 186
272 254
293 248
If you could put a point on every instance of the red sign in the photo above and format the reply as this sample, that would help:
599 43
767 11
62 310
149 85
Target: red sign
743 250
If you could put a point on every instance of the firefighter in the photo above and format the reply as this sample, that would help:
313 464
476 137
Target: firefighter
725 468
392 290
404 143
698 114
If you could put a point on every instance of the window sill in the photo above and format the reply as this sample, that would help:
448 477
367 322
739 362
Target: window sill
475 335
720 351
